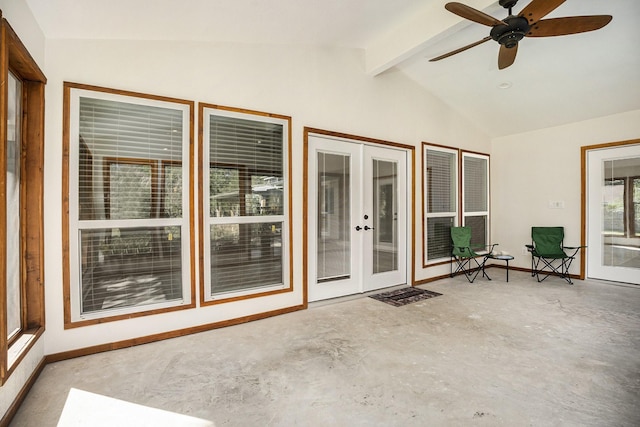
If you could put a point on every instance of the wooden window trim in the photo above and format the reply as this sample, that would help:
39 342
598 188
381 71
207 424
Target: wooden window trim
462 193
444 148
14 56
66 264
288 214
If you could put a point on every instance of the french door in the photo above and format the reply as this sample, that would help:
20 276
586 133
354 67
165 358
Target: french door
357 221
614 214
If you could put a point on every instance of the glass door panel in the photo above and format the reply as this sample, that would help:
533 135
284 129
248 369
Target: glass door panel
614 213
334 217
385 211
385 233
334 247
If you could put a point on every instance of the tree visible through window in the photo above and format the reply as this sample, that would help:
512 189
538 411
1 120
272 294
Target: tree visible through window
245 158
621 207
132 218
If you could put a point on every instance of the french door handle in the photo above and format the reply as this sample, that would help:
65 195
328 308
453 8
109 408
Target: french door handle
358 228
367 228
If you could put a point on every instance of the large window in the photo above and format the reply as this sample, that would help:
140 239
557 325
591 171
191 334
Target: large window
21 212
440 200
245 204
475 196
453 178
129 187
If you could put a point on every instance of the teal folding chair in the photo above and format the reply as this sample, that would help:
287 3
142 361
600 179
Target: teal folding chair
549 256
464 256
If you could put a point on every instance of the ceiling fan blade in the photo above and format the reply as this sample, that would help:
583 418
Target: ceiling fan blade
462 49
472 14
507 56
568 25
538 9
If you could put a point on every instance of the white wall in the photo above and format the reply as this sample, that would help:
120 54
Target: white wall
530 169
23 23
322 88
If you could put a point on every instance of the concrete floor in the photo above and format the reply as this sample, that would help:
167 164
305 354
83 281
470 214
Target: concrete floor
485 354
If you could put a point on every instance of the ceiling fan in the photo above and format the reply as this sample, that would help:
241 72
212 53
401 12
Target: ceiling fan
528 23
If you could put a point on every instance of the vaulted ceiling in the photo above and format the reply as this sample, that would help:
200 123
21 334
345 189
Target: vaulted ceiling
555 80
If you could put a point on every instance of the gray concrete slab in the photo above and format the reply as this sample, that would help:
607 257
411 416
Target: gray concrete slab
488 353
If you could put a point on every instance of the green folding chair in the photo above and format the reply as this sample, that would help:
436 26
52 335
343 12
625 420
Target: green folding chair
464 256
549 256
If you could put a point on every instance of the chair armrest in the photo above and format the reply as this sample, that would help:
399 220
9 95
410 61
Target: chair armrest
530 247
573 247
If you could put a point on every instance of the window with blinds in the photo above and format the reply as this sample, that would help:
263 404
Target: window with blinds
246 224
440 200
128 208
475 191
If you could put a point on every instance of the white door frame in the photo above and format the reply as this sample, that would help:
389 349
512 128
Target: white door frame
594 179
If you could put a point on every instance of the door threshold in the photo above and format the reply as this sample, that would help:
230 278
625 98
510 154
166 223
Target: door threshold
345 298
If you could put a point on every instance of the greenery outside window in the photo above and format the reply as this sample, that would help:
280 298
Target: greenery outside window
129 214
621 207
245 204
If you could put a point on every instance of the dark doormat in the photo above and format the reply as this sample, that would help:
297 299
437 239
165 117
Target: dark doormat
404 296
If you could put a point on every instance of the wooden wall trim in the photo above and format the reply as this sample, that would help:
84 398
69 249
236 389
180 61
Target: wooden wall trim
15 405
51 358
201 196
66 261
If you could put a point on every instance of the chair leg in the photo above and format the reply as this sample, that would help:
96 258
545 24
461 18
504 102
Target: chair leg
561 270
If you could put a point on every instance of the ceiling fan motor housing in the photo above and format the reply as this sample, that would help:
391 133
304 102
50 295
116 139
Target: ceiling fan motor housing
508 4
509 35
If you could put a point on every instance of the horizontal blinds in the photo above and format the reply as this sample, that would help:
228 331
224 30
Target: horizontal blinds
333 257
130 168
478 225
130 267
126 154
439 237
246 144
245 256
246 179
441 181
475 184
246 167
120 129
